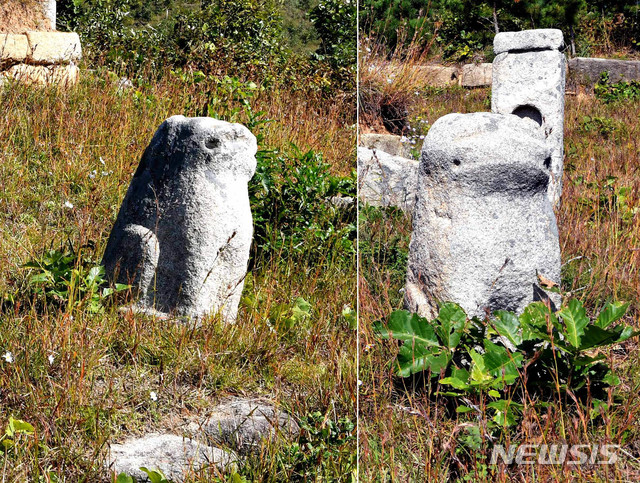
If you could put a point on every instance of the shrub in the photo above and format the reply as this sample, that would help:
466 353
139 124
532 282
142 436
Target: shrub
292 210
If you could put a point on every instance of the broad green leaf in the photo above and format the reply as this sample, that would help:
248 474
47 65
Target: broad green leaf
17 426
610 313
124 478
595 336
452 321
455 383
508 325
501 363
611 379
463 409
505 412
575 321
493 393
535 320
155 476
405 326
479 372
414 358
39 277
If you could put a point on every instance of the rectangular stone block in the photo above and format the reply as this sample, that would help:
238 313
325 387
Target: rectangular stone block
528 40
64 75
437 75
587 71
53 47
476 75
13 48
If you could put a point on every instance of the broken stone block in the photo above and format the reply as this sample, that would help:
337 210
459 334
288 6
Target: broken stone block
389 143
184 230
476 75
529 81
175 456
386 180
436 75
53 47
483 226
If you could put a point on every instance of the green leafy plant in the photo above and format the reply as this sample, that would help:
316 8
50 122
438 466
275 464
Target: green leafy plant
15 430
291 204
325 447
618 91
155 476
67 278
545 351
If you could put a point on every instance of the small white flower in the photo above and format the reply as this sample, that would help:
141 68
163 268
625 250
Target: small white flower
368 49
403 139
68 204
8 356
153 395
389 81
93 174
102 161
51 359
359 382
421 136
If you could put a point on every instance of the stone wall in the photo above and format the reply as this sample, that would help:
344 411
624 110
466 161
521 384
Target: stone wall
581 71
30 48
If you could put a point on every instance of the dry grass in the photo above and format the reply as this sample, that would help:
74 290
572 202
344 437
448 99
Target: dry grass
20 16
81 146
407 435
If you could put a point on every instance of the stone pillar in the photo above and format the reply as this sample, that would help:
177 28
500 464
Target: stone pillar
49 7
529 81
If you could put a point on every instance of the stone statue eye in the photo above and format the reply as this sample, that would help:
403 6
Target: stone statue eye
212 143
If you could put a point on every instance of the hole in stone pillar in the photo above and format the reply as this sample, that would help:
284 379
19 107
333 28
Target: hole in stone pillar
456 162
212 143
529 112
547 162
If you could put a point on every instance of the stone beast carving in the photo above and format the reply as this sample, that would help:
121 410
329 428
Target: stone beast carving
184 229
483 226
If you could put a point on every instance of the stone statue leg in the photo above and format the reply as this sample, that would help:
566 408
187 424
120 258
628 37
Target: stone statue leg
139 252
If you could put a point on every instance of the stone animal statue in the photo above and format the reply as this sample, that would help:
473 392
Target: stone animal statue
483 226
184 230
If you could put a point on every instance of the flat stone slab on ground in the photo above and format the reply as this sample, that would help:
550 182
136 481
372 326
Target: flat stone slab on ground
243 423
174 455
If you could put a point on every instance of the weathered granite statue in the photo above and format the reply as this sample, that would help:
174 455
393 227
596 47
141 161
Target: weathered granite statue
529 80
483 226
184 230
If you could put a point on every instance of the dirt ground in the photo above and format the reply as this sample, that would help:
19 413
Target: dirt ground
19 16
